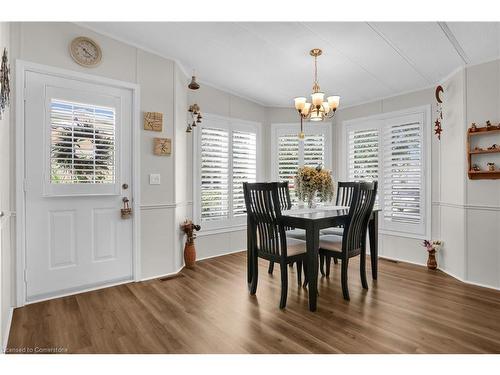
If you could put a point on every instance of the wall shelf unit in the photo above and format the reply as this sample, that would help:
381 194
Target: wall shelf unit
482 174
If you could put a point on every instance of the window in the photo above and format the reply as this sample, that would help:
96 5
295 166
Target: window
82 143
288 152
392 149
228 157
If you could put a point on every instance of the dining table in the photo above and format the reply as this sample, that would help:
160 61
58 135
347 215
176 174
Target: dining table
313 220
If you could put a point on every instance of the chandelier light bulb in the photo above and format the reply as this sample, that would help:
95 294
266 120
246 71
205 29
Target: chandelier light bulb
333 102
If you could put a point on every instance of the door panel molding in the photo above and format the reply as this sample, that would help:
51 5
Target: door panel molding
22 68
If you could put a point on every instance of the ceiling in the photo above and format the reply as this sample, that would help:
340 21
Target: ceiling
269 62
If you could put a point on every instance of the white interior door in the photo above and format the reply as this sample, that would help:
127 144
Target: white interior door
78 156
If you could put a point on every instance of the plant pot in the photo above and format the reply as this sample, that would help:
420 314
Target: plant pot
431 261
189 254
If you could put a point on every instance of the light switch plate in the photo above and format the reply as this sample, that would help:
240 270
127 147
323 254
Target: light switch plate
154 179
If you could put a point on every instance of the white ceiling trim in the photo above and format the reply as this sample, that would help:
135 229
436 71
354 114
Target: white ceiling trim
454 42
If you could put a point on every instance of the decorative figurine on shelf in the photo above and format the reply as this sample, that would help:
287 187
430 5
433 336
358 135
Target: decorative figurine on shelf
491 167
473 128
494 146
189 250
478 149
488 125
476 168
432 247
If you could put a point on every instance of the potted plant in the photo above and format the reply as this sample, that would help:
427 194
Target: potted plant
189 250
310 181
432 247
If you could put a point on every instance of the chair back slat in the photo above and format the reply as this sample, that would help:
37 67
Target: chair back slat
345 191
284 195
363 199
262 201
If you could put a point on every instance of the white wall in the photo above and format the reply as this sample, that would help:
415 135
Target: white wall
6 258
482 202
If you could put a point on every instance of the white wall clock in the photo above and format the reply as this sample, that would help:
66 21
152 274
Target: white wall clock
85 51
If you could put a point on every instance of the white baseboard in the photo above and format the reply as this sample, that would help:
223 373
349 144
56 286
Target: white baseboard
7 329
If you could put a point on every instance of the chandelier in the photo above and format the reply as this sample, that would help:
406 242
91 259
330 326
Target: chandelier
318 109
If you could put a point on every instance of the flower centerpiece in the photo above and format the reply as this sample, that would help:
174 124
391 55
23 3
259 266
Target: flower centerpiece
432 247
310 181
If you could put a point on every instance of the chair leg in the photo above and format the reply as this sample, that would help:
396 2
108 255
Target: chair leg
328 263
322 264
299 272
284 285
255 279
335 261
345 289
271 268
362 268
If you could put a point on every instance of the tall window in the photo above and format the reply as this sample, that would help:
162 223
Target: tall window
289 153
392 149
228 157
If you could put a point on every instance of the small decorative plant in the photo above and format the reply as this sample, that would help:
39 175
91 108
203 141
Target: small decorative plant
432 247
189 250
310 181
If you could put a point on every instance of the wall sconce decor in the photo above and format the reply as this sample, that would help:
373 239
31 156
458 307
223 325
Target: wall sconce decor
194 111
4 83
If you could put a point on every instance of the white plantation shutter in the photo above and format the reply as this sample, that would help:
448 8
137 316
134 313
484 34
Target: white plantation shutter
214 174
363 147
244 167
228 156
288 160
403 172
390 149
82 143
314 150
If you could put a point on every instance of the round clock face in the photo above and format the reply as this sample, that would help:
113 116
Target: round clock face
85 51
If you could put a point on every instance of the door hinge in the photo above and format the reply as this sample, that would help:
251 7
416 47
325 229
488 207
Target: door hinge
25 95
25 275
25 185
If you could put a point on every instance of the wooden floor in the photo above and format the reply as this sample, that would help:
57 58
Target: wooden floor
208 310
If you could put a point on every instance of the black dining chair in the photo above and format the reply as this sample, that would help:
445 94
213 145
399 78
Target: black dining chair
286 204
344 197
353 240
267 236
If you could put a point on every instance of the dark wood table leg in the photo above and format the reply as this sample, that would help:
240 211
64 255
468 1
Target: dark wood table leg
312 238
373 235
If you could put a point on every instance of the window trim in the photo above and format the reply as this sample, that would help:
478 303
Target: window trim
380 119
227 123
278 129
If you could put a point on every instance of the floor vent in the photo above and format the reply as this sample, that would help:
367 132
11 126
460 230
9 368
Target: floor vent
171 277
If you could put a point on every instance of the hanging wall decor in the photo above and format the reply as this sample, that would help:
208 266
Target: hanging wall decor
439 112
194 113
162 146
4 83
153 121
